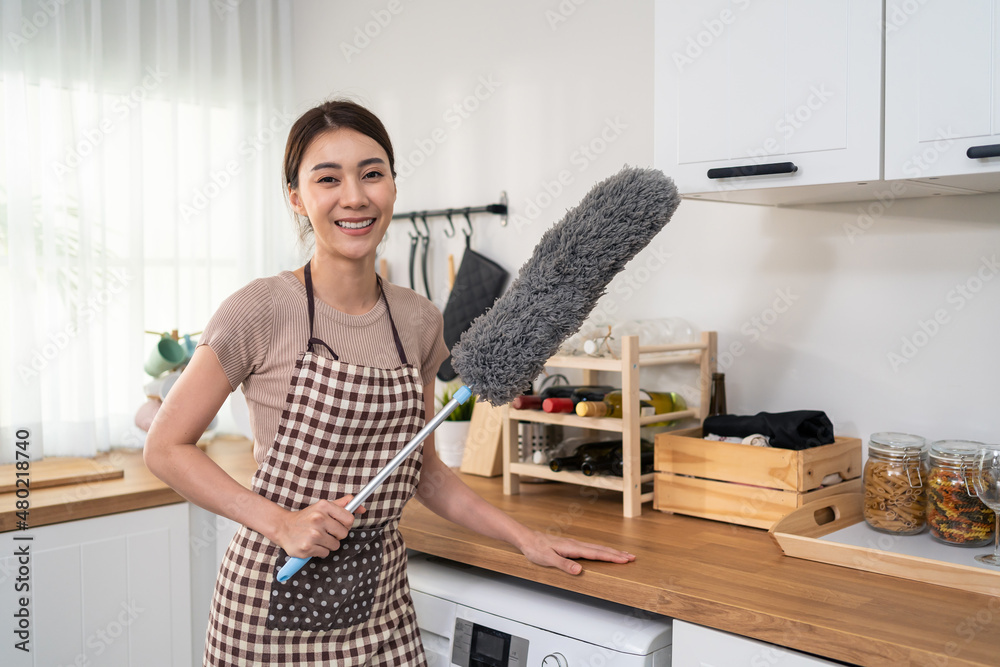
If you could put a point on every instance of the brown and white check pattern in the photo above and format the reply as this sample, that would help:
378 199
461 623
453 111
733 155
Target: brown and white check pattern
341 425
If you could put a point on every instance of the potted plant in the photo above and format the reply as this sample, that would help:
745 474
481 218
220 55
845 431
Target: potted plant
450 436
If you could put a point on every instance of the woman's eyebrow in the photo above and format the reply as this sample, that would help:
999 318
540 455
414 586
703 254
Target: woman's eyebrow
334 165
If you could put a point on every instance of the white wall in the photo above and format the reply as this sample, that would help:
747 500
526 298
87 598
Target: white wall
856 286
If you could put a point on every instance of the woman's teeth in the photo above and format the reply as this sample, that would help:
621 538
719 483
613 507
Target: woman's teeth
355 225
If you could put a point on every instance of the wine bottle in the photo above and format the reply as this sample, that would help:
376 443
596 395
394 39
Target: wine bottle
717 402
569 403
645 464
650 403
581 453
527 402
595 465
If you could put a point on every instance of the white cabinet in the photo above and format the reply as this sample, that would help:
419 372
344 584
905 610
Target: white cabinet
697 646
112 590
746 88
942 92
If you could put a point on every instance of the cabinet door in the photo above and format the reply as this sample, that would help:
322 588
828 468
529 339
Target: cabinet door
741 84
942 90
697 646
110 591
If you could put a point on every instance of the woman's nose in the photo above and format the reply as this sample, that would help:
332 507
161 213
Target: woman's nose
352 194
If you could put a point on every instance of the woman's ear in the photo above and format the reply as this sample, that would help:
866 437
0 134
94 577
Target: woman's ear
296 201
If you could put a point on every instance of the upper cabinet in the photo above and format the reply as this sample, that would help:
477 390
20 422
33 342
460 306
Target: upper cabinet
781 102
942 98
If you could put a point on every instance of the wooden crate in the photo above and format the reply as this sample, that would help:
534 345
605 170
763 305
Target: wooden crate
750 486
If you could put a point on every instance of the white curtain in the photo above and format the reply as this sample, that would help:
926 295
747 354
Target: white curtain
140 183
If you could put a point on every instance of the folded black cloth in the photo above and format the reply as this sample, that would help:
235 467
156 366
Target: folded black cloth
799 429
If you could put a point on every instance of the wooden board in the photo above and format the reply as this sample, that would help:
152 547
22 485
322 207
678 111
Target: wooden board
799 535
59 471
741 504
482 454
684 452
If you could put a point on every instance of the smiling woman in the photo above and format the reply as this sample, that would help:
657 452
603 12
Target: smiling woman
338 371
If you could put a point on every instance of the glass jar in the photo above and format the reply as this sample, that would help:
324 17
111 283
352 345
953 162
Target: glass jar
894 478
955 516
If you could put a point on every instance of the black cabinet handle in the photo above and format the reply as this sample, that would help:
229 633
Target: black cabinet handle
754 170
976 152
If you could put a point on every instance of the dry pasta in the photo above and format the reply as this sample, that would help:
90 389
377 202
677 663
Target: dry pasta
895 499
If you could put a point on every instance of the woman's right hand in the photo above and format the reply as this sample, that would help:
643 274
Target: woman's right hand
317 530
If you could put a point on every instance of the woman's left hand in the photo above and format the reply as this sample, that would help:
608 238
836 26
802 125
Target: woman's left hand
549 551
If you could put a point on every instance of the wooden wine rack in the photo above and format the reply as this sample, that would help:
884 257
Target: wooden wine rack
634 357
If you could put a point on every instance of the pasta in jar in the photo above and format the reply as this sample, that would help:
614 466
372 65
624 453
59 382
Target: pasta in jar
894 481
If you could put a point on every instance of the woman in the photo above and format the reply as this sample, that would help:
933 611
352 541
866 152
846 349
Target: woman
362 356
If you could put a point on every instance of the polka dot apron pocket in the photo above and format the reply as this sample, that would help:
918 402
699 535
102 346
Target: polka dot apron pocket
333 592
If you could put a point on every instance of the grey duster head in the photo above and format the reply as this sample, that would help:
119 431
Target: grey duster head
506 348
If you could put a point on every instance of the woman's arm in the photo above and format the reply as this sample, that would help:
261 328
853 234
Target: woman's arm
171 455
441 491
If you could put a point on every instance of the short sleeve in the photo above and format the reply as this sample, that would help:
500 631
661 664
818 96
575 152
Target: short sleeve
240 331
433 346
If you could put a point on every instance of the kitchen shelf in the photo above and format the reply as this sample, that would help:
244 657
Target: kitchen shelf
634 357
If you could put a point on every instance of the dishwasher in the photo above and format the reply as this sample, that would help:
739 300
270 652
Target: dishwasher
472 617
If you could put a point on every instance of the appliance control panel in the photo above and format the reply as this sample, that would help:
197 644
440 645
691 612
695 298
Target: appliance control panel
476 645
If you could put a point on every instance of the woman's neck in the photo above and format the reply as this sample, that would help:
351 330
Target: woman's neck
349 287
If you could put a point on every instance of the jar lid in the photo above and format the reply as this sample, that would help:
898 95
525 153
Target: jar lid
897 444
955 451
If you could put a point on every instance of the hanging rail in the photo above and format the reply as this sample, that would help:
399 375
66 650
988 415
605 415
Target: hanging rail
497 209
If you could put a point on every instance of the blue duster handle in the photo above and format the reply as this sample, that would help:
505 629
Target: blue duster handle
293 565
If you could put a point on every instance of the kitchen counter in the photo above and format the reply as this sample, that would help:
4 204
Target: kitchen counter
714 574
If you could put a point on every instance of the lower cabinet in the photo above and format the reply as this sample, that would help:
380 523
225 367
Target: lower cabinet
113 590
697 646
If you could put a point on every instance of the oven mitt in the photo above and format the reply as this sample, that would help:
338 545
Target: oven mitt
800 429
478 283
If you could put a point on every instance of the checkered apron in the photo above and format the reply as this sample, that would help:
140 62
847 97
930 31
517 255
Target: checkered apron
341 425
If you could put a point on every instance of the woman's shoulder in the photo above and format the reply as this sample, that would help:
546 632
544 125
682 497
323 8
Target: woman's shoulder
404 299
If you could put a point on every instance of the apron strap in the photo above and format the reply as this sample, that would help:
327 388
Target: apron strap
392 323
312 316
312 313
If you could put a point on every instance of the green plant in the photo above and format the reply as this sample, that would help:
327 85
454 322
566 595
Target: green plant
462 413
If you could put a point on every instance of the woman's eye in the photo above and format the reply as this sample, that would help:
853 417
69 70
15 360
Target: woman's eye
327 179
373 174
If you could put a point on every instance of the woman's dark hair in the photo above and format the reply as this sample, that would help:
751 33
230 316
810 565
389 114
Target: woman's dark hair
331 115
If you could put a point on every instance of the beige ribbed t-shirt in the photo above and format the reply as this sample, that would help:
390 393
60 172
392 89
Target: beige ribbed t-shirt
259 332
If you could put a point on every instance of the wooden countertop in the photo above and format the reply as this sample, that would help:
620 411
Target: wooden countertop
718 575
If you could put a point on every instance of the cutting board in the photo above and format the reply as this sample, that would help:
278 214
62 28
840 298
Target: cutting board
482 447
58 471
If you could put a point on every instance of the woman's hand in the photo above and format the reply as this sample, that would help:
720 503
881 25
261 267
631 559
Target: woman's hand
316 530
548 551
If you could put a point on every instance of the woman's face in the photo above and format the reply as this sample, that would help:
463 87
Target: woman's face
347 192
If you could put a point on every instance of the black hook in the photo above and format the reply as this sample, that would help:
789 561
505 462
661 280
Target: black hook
468 221
451 223
416 230
423 259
